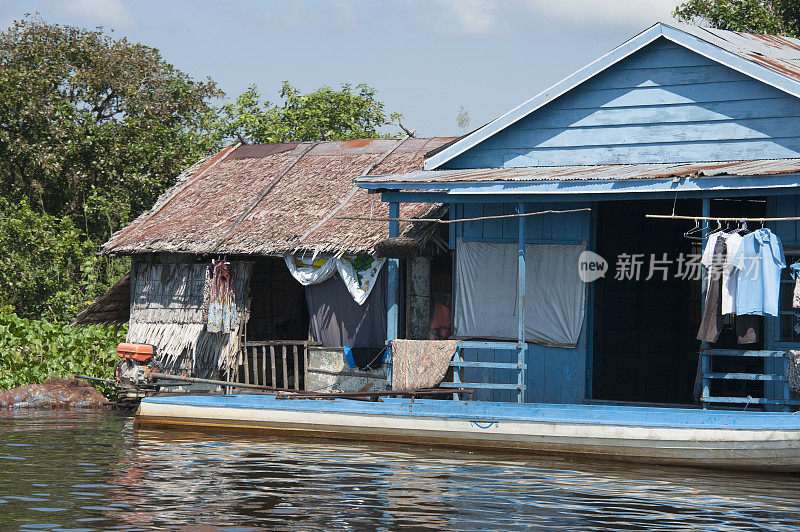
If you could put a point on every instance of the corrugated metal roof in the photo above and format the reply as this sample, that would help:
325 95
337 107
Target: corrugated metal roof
614 172
780 54
196 215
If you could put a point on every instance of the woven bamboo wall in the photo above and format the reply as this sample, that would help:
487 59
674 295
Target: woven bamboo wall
166 311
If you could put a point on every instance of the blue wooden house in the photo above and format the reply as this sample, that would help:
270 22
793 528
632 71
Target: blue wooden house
678 120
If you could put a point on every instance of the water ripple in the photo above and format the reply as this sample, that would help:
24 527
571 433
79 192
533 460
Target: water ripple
100 473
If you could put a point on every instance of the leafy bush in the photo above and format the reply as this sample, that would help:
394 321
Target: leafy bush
32 350
48 268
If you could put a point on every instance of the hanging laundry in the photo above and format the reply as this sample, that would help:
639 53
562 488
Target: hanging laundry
711 323
759 261
222 313
729 273
795 271
207 286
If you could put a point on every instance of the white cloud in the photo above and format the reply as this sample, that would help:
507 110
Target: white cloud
462 17
103 12
344 14
484 17
304 14
623 12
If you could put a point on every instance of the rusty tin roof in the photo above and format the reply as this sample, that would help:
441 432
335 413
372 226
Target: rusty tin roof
614 172
780 54
269 199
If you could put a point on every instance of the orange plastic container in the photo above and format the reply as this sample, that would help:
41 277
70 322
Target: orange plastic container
137 352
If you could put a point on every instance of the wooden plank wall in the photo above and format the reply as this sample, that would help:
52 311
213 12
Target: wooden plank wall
554 375
662 104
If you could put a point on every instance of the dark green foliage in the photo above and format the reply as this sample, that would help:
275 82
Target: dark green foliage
93 129
772 17
324 114
32 350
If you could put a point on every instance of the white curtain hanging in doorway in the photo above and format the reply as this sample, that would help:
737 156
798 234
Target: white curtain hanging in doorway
486 294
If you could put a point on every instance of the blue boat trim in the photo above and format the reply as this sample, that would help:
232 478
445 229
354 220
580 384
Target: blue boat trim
489 412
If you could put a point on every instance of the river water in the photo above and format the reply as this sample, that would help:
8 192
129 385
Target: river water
93 471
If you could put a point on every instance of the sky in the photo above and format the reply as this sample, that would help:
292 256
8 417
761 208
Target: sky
426 58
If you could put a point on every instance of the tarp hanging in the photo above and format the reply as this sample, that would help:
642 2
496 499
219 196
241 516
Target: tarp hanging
337 320
486 296
357 271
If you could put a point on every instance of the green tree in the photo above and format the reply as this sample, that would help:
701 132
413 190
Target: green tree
352 112
773 17
43 261
91 127
92 130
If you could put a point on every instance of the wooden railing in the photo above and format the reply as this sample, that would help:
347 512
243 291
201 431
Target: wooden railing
774 374
458 364
285 362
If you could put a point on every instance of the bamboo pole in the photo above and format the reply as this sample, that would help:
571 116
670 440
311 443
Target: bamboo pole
180 378
721 218
439 221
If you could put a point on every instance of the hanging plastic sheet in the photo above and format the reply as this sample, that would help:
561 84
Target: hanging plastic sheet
486 296
358 272
309 269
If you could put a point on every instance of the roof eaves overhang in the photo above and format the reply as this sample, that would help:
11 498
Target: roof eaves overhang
583 189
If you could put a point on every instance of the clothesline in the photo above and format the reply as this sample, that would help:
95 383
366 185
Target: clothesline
722 218
437 220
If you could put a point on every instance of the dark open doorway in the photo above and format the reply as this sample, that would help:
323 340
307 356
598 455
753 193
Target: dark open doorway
645 347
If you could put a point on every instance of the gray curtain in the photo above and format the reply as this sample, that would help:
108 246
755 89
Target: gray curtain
338 321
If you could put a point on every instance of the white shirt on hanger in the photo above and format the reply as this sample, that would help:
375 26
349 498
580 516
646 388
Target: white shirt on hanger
729 273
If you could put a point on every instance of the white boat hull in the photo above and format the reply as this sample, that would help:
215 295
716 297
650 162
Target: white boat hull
775 448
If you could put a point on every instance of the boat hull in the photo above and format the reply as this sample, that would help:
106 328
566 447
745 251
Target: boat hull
730 440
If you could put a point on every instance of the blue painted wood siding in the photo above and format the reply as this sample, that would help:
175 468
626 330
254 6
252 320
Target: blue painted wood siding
554 375
662 104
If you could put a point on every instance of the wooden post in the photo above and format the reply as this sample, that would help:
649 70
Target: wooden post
284 356
393 265
246 364
263 365
392 289
305 367
703 363
456 371
296 369
787 392
705 368
521 302
272 365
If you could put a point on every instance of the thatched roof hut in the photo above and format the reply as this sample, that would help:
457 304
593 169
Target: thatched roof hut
253 204
273 198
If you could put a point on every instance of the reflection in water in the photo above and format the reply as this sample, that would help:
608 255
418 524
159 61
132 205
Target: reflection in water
92 471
